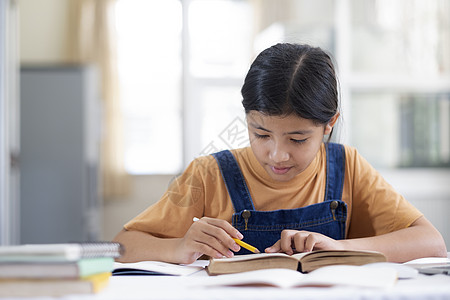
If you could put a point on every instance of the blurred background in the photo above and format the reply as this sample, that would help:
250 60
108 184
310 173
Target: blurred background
103 102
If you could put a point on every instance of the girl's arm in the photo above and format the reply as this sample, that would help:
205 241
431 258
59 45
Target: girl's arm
209 236
421 239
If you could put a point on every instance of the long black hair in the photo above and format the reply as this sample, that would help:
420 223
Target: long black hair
292 78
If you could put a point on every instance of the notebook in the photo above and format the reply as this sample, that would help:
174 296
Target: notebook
436 269
59 252
431 265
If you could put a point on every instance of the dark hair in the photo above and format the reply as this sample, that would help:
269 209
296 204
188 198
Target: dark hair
292 78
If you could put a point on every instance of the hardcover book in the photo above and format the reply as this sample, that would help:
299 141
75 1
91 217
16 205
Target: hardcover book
303 262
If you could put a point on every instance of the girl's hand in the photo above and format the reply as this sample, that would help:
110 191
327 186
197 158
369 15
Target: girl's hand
294 241
209 236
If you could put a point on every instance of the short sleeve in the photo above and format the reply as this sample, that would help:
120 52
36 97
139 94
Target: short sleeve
172 215
376 207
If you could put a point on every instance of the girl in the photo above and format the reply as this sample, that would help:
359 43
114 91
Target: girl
290 191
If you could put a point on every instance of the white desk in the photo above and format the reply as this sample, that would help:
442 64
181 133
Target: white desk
189 287
171 287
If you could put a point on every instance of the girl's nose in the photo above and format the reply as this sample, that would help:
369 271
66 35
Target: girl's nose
278 154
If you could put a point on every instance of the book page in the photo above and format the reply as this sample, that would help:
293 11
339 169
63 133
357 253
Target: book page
253 257
357 276
428 260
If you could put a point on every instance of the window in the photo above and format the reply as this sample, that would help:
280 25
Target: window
181 85
399 82
150 68
220 39
170 119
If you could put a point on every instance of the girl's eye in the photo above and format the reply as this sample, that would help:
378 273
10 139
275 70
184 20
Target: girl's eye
299 141
260 136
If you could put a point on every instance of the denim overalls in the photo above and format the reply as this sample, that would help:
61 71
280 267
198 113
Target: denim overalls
263 228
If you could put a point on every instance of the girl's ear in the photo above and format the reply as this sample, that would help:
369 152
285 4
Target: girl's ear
330 124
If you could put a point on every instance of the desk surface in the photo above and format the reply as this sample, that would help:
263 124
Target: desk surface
174 287
189 287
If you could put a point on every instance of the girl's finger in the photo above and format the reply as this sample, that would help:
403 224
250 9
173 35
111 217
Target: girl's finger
275 248
286 241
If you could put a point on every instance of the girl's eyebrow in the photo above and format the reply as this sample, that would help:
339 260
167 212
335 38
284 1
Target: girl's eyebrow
301 132
256 126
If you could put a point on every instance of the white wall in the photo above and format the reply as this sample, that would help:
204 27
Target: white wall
44 28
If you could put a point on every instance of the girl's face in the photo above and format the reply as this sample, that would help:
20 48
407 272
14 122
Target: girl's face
285 146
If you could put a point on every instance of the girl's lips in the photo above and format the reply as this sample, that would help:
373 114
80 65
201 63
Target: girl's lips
280 171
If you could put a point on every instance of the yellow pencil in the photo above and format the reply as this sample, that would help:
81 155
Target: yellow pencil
239 242
246 246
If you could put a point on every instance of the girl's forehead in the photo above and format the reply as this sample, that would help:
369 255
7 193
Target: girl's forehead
287 123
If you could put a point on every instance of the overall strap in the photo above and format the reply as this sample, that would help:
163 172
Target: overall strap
234 180
335 171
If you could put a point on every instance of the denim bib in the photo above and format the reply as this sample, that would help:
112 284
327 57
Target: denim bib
263 228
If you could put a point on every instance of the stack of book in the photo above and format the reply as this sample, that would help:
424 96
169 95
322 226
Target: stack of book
56 269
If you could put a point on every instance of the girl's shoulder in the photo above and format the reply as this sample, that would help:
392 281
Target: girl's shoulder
204 162
209 162
350 151
352 157
356 164
352 154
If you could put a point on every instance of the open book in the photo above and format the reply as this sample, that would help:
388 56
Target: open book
356 276
303 262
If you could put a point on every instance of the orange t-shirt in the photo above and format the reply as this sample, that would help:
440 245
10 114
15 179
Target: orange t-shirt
373 206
